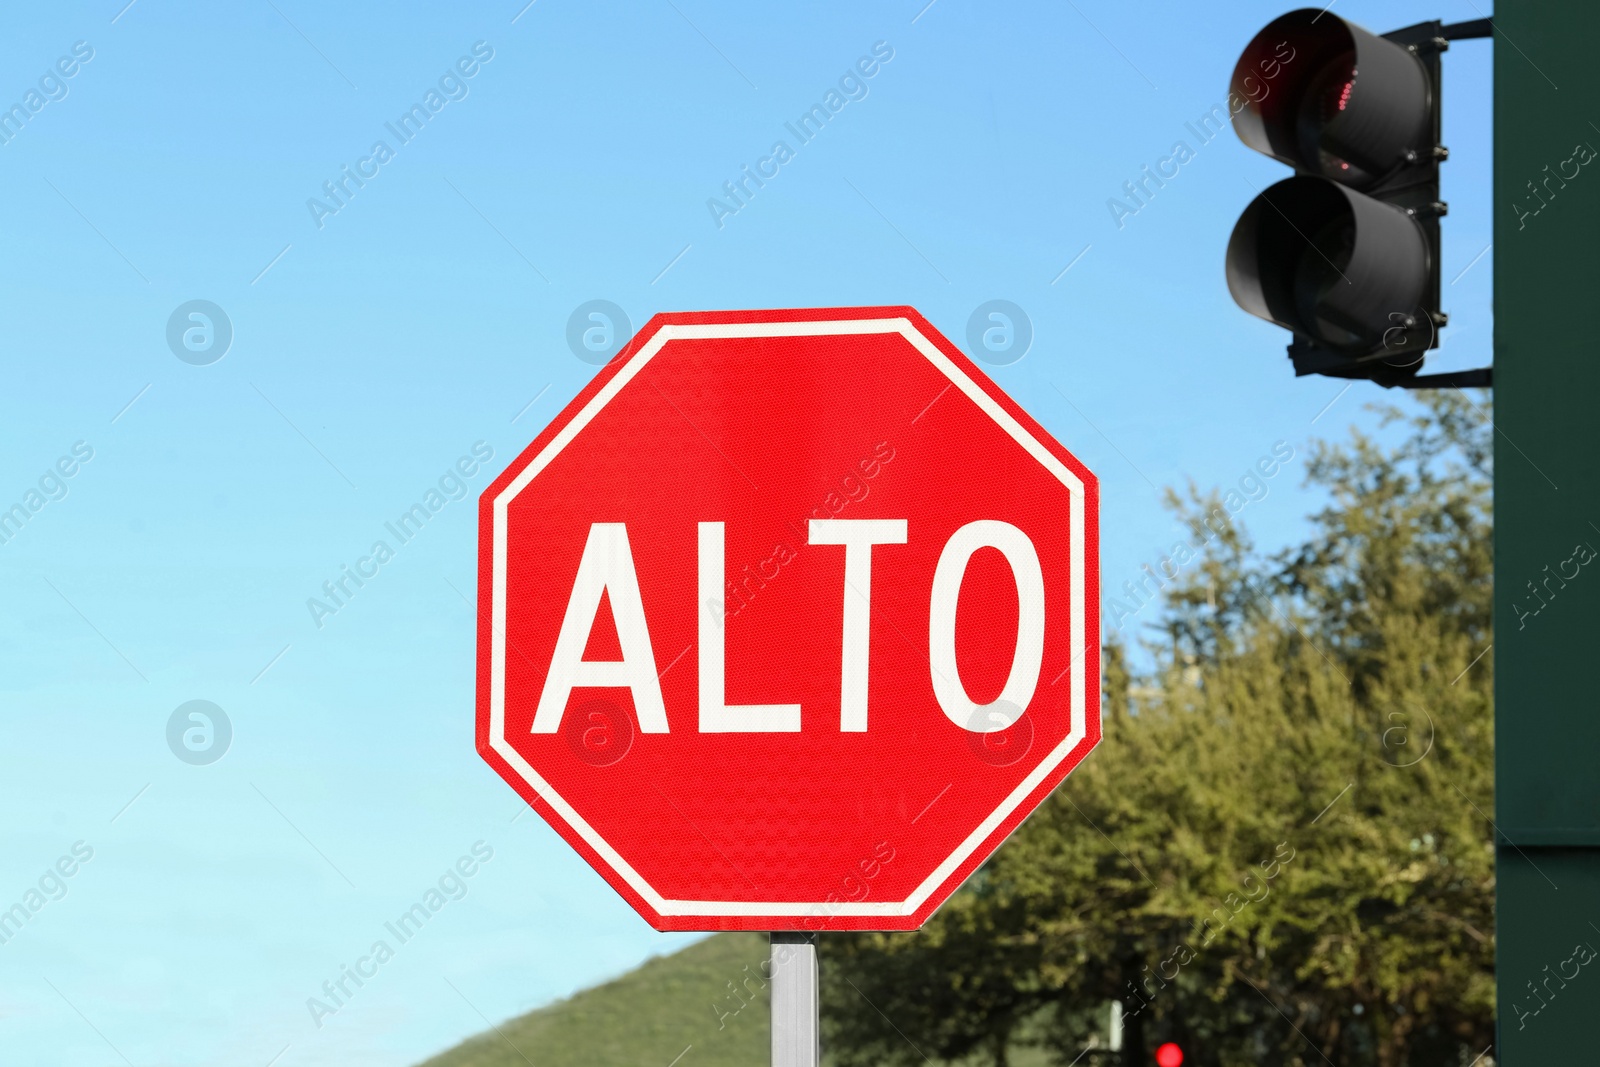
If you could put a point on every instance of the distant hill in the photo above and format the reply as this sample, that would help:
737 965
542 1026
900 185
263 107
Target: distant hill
672 1006
673 1011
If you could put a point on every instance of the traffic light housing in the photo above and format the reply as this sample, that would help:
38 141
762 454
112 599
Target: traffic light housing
1345 254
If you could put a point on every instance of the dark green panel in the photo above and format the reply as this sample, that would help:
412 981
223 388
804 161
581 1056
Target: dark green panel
1548 957
1547 405
1547 510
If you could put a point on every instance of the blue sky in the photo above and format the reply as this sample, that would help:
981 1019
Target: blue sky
428 314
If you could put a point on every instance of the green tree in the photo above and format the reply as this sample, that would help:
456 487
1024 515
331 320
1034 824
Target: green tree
1280 853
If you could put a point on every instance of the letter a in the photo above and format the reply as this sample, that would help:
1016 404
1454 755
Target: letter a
318 1009
606 568
319 211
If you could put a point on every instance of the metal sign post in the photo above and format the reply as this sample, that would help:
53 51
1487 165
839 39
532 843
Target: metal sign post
795 1007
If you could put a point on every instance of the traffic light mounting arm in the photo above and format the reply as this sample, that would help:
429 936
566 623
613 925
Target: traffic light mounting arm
1439 38
1465 31
1479 378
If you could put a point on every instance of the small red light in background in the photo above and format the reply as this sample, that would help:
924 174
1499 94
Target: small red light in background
1169 1055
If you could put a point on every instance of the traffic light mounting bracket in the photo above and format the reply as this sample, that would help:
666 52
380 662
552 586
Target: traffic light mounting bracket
1413 186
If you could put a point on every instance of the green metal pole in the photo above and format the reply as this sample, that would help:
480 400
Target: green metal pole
1547 530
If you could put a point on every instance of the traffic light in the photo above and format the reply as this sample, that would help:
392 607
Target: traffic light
1345 254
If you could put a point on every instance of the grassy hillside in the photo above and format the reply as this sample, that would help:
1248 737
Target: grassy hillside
648 1016
674 1010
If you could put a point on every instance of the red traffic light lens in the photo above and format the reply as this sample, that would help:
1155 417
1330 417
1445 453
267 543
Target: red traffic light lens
1169 1055
1327 97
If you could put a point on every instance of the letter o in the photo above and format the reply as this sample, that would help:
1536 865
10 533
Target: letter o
1028 657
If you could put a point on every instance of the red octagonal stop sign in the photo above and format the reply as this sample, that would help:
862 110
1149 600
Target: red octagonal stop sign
788 620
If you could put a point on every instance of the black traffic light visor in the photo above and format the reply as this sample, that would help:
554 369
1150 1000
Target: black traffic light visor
1331 264
1326 97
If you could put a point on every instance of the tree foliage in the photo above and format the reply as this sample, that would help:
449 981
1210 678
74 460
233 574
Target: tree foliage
1280 853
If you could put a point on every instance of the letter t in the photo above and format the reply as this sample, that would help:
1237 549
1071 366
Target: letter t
857 536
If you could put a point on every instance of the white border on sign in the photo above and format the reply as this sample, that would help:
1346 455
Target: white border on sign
684 331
